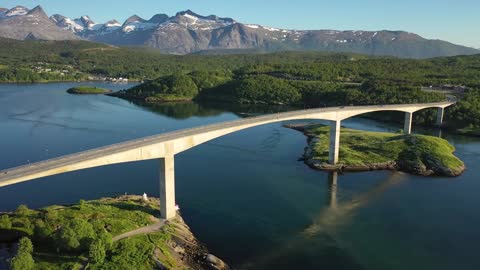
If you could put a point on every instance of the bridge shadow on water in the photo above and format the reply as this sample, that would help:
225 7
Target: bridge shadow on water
322 235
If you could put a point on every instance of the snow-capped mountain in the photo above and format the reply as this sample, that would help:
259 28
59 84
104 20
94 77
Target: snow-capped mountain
16 11
84 26
67 23
136 23
22 23
188 32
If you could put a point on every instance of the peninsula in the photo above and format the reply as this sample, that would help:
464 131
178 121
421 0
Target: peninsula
110 233
365 151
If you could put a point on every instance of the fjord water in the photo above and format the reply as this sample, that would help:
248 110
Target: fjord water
245 195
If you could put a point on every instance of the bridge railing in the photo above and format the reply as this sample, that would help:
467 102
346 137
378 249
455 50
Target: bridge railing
158 138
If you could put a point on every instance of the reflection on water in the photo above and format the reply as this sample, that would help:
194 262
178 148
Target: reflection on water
332 187
339 213
179 110
333 218
187 109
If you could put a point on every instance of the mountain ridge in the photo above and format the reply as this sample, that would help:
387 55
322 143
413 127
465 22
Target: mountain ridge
188 32
25 24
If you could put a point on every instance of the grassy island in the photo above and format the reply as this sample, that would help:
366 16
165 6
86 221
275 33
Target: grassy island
110 233
364 150
88 90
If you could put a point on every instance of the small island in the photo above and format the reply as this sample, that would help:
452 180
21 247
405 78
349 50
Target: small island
88 90
109 233
364 151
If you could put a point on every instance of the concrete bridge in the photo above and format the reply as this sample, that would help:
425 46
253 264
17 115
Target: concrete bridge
165 146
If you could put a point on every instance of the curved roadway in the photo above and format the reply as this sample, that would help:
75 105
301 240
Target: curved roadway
155 146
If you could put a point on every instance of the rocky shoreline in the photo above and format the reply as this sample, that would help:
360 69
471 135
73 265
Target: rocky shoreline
185 248
433 168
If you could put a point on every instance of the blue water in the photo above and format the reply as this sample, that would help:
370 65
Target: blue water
245 195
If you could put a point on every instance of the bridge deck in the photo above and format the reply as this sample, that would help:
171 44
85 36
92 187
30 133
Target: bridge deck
6 176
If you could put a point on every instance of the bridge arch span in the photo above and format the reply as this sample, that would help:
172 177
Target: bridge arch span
359 110
165 146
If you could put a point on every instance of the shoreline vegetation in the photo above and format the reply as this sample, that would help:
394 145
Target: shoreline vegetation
367 151
307 79
109 233
69 81
262 89
88 90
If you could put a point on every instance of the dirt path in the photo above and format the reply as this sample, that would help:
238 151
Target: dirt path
144 230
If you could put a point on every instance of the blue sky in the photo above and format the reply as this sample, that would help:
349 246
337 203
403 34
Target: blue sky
457 21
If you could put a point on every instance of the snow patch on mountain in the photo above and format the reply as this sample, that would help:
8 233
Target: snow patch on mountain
85 25
73 25
16 11
137 26
191 17
67 23
194 21
271 29
113 23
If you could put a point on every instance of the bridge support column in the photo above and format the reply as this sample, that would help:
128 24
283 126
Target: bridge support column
167 187
334 142
407 128
440 113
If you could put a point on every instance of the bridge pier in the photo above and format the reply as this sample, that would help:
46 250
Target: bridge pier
440 113
167 187
334 142
407 127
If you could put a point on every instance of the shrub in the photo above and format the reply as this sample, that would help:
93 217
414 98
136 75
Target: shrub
5 222
97 252
76 235
23 260
22 210
25 245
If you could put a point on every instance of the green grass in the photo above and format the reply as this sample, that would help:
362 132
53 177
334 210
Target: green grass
110 215
87 90
363 147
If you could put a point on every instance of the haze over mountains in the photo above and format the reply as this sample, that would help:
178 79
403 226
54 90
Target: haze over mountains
188 32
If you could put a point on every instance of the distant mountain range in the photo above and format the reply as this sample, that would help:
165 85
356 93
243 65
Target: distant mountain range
188 32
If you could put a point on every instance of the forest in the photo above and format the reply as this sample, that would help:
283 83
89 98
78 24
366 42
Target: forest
306 79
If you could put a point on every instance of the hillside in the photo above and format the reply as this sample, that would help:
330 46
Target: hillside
109 233
102 60
319 78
